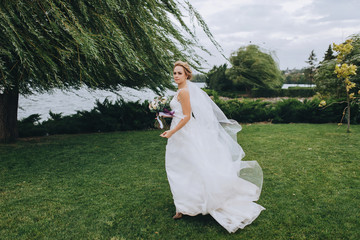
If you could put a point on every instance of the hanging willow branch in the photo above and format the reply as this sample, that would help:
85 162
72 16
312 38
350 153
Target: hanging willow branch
101 44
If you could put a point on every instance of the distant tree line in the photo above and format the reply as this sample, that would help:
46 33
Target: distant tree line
304 75
294 76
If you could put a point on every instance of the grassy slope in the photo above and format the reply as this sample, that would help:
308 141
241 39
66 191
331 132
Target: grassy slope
113 185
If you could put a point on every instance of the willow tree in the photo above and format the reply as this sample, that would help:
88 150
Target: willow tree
105 44
253 68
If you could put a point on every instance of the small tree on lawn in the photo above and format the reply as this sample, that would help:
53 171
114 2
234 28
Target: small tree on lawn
343 71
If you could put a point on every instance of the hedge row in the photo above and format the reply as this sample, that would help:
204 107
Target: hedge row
290 92
105 117
120 115
287 111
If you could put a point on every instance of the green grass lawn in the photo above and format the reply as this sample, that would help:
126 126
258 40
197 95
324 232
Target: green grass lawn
114 186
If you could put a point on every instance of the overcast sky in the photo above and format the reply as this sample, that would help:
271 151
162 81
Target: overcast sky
290 28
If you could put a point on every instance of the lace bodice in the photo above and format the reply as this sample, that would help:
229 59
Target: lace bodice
175 106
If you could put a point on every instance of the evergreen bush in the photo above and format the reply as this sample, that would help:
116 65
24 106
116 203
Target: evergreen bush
121 116
105 117
290 92
246 110
31 126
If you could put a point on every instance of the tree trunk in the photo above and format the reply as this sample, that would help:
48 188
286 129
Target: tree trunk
9 101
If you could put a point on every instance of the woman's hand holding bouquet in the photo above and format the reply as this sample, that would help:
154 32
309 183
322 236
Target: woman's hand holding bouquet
161 106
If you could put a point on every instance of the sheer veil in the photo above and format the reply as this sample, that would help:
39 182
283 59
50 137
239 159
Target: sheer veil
213 123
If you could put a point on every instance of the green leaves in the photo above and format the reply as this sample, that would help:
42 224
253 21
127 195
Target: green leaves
107 44
326 80
253 68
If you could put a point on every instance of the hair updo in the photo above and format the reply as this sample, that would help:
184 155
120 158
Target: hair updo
186 67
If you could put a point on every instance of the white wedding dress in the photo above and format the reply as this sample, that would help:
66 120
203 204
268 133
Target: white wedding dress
204 167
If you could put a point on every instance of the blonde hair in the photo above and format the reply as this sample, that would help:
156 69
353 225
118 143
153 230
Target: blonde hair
186 67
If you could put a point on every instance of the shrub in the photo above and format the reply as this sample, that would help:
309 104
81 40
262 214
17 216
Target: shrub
246 110
290 92
121 115
228 94
256 92
267 93
31 126
104 117
299 92
288 110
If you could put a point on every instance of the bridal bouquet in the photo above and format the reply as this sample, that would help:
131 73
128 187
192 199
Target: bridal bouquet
161 106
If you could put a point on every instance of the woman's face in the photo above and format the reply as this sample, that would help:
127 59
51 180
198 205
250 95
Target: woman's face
179 74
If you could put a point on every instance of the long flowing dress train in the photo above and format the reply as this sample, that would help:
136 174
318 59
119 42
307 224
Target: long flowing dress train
204 166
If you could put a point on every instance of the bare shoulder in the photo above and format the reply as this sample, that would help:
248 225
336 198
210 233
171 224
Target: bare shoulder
183 94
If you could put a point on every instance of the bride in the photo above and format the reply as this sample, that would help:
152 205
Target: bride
203 159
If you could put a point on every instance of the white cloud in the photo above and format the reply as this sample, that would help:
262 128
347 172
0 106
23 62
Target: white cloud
291 28
211 7
241 34
293 6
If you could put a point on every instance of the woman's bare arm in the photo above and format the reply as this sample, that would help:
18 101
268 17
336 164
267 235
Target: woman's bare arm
184 98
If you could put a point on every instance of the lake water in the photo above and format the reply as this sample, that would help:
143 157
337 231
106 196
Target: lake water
69 102
286 86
